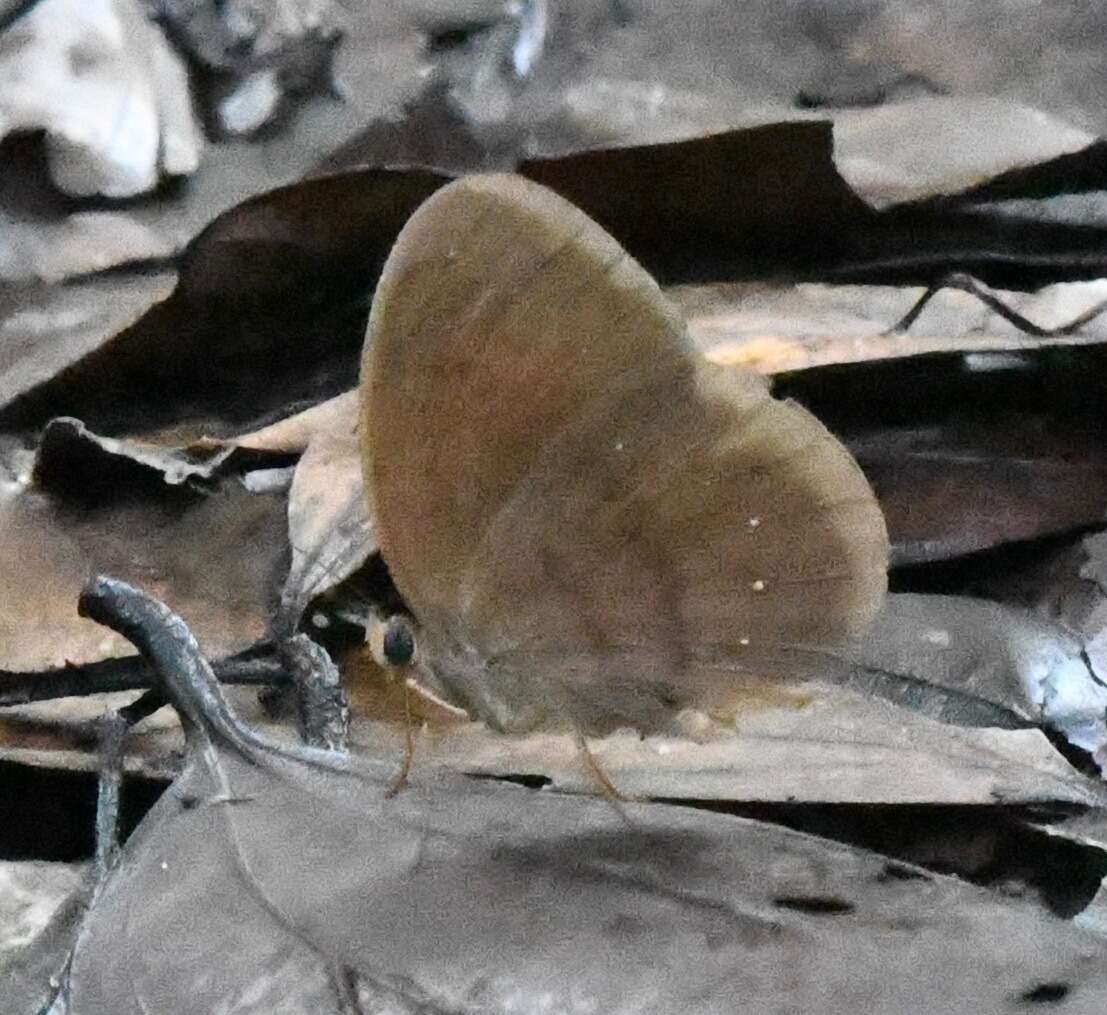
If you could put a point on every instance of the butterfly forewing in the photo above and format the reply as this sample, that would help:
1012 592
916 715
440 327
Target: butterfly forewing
592 525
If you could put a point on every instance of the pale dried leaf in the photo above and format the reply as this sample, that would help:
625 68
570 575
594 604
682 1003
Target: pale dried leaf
330 528
983 651
78 244
942 146
30 894
775 329
99 79
837 746
294 433
41 905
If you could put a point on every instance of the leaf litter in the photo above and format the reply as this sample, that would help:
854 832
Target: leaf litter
843 744
247 821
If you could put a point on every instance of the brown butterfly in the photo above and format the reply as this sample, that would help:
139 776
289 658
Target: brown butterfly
593 526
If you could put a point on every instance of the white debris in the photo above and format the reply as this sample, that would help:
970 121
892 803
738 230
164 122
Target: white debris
110 94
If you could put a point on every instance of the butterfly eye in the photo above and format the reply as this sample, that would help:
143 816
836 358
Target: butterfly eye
399 641
392 640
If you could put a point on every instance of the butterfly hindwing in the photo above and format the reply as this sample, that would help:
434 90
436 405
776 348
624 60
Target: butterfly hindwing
592 524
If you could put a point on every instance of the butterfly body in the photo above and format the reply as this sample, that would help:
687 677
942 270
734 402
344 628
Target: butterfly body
593 526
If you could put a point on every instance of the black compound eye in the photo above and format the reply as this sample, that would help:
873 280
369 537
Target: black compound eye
399 641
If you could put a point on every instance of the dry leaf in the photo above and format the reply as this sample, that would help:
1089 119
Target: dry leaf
30 894
330 528
839 746
269 311
78 244
294 433
1069 586
984 652
72 460
44 330
959 486
713 206
430 899
777 328
216 556
939 146
40 906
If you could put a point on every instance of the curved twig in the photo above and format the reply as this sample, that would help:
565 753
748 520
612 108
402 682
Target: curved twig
966 283
186 678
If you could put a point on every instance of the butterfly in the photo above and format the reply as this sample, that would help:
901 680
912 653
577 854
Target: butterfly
592 526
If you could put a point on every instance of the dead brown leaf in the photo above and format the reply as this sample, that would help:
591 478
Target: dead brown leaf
467 939
963 485
216 555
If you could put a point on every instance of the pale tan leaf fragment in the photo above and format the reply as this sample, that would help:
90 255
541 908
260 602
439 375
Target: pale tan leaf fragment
45 329
294 433
775 329
330 528
81 243
215 557
941 146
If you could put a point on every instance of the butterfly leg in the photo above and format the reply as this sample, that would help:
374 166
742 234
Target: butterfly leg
409 747
607 787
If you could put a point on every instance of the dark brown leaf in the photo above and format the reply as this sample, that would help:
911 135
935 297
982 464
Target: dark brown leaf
260 882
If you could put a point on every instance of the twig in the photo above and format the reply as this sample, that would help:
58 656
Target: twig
968 284
113 727
113 730
146 705
259 664
184 675
322 708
